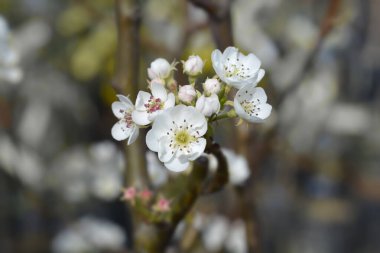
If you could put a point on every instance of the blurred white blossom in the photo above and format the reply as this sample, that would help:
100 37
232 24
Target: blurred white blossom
238 168
9 57
89 234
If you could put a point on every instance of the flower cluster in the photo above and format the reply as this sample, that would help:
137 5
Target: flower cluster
180 117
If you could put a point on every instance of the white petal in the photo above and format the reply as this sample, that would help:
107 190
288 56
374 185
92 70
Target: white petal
170 102
152 116
252 62
197 149
118 109
159 91
217 64
165 152
265 110
120 131
216 56
177 164
140 118
260 75
134 135
124 99
190 115
162 123
142 98
151 140
258 94
230 51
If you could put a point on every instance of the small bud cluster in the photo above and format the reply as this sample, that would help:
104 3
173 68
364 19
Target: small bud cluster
146 198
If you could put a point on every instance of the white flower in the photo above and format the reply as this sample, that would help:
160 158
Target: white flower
238 169
148 106
159 68
208 105
250 104
237 238
89 234
9 57
215 233
176 135
125 127
193 66
237 69
211 86
187 93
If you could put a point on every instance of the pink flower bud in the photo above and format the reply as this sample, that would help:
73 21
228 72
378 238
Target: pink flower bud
193 66
211 86
187 94
162 205
129 194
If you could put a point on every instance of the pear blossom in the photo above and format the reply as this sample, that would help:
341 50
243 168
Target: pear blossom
237 69
148 106
160 68
211 86
250 104
176 135
208 105
193 66
125 128
187 93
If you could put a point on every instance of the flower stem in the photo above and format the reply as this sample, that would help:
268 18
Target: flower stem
229 114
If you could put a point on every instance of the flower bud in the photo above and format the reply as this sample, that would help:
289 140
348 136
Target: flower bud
159 68
208 105
129 194
162 205
187 94
211 86
193 66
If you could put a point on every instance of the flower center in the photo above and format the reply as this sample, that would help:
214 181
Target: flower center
236 69
250 107
182 138
154 104
127 117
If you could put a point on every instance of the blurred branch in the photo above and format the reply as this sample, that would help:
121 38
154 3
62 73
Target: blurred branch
128 19
326 26
219 13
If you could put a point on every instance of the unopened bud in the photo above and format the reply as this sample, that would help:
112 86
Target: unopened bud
187 93
193 66
211 86
208 105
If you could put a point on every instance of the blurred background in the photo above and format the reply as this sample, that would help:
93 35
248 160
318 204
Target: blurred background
314 166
